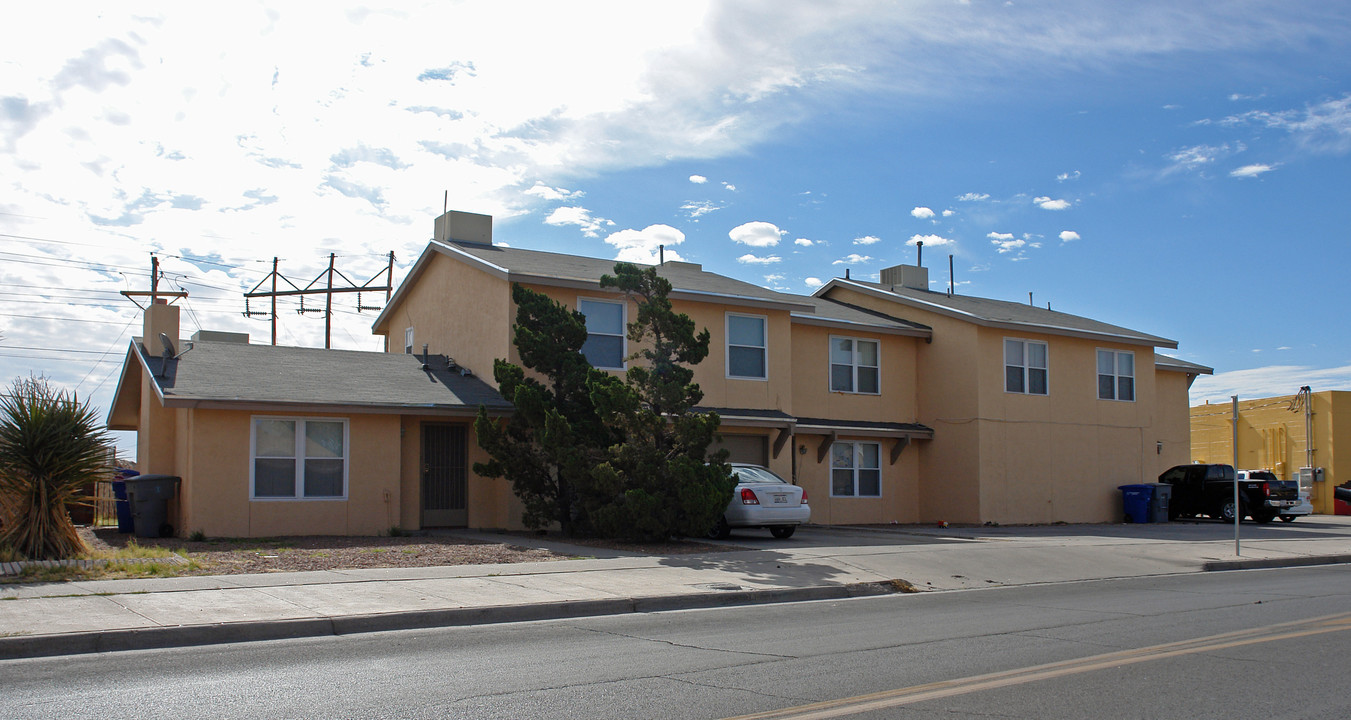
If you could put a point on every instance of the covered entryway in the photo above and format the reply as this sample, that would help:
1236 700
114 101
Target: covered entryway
445 472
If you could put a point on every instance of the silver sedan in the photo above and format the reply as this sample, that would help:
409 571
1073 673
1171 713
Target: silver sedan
763 499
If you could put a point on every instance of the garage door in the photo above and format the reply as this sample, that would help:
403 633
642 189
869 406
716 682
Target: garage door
753 449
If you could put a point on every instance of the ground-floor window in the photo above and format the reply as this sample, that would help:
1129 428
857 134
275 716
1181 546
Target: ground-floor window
301 458
856 469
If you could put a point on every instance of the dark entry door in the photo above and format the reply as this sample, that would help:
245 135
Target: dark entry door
445 473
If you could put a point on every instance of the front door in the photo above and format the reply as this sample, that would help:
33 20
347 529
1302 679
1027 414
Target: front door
445 472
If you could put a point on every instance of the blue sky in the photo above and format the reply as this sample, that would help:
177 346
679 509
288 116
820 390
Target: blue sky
1179 168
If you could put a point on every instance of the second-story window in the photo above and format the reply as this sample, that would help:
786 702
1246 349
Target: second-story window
408 341
1116 375
746 347
604 346
1025 367
853 365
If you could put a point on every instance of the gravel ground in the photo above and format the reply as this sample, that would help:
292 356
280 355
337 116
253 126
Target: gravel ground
294 554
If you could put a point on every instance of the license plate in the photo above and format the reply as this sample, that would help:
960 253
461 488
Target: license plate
780 498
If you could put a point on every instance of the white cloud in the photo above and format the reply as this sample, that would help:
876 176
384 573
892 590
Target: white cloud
930 240
922 213
729 186
773 278
1253 170
804 242
1068 235
1046 203
581 217
973 197
853 259
1005 242
1062 177
1323 128
756 234
867 240
1199 157
644 246
544 192
699 208
813 283
1269 381
698 179
949 213
749 259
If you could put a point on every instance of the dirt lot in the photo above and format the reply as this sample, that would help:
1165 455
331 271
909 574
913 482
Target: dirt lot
292 554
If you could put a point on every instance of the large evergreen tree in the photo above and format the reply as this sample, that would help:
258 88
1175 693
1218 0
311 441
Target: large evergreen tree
553 440
660 481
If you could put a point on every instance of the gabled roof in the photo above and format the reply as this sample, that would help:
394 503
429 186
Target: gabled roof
689 281
843 316
1164 362
239 375
1000 313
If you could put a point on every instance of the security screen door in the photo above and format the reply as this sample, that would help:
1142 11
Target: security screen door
444 475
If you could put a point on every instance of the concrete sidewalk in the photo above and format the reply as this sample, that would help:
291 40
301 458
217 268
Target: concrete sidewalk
818 563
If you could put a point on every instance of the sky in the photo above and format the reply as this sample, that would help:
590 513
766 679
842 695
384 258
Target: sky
1179 168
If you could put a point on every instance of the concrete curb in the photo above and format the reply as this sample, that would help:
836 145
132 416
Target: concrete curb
1258 564
31 646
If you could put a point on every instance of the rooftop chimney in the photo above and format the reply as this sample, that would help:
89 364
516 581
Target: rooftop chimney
910 276
464 227
160 318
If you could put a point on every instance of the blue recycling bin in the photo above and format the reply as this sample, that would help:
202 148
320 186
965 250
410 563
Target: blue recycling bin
123 506
1135 500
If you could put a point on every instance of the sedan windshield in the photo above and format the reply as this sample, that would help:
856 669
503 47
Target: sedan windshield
756 475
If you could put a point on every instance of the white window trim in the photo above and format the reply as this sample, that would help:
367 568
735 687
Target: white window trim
855 445
1004 365
408 340
1116 375
299 457
623 329
727 346
854 365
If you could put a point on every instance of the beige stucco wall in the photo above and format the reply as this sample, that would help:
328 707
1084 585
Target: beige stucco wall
216 497
899 501
1013 458
1172 425
812 396
456 310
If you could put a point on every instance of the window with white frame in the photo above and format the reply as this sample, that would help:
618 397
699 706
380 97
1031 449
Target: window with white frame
604 347
299 458
408 341
853 365
856 469
747 355
1025 367
1116 375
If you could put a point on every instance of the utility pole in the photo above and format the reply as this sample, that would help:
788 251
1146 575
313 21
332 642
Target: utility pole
314 288
154 294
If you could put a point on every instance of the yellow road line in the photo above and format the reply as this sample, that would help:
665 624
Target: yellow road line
948 688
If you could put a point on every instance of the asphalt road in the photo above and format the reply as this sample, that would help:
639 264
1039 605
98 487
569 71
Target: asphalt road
1269 643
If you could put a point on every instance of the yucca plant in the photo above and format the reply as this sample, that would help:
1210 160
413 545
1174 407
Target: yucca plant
51 445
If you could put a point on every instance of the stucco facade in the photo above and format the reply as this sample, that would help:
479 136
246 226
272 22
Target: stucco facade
917 422
1281 434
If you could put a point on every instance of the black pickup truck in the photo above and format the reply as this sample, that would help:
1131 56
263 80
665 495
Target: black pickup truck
1209 490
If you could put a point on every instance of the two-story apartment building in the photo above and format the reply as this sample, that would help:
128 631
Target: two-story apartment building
887 402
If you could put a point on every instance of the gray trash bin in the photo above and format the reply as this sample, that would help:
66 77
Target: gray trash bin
149 497
1158 504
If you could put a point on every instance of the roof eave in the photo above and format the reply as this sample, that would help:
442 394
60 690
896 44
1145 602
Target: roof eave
859 326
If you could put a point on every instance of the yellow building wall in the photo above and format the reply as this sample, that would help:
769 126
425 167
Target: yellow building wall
1272 436
1173 425
899 502
812 396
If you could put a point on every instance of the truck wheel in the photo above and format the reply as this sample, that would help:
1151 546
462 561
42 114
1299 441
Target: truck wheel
1287 518
1226 512
1264 517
